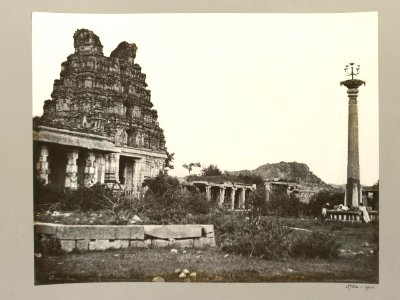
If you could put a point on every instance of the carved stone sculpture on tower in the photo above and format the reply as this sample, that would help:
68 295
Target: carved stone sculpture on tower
99 125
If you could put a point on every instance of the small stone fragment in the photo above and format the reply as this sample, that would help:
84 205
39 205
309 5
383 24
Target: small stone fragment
158 279
366 244
185 271
182 275
226 255
193 275
184 251
38 255
136 218
177 271
174 251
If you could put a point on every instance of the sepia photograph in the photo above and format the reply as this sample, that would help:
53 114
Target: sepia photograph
205 147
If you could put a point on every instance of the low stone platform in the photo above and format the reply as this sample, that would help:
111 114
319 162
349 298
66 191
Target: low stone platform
102 237
350 216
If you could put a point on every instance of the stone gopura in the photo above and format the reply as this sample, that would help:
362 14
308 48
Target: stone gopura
99 125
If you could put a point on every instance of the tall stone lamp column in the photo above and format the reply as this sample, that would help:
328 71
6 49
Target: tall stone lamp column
353 191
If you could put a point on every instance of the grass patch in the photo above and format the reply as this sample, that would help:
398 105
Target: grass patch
211 266
214 265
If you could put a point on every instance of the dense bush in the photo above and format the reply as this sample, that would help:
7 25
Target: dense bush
211 170
315 245
48 196
321 198
285 205
165 201
51 197
162 185
265 239
47 245
270 239
257 201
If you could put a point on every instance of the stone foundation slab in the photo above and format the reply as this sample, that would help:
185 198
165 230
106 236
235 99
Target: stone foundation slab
102 237
173 231
140 244
204 242
67 245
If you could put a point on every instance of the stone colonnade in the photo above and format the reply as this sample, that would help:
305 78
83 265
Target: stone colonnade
304 195
74 166
98 166
228 194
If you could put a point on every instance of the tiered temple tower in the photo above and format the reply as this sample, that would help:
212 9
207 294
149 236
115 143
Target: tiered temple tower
100 116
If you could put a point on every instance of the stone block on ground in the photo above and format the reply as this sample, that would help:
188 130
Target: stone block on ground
173 231
207 230
122 232
137 232
160 243
82 245
99 245
67 245
204 242
119 244
140 243
187 243
101 232
42 228
107 244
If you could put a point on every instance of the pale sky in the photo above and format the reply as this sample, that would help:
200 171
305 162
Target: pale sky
239 90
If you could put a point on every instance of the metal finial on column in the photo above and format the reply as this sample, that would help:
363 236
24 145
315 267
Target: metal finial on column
352 73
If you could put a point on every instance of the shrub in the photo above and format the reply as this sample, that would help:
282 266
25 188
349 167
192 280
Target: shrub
165 202
257 201
211 170
47 197
265 239
162 184
175 207
315 245
321 198
52 197
47 245
285 205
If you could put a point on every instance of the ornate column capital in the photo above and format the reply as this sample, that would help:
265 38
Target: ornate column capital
352 83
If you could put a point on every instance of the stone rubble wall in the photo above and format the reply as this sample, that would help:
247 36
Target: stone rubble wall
102 237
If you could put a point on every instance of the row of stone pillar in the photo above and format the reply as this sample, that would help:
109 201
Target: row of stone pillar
221 200
344 216
108 165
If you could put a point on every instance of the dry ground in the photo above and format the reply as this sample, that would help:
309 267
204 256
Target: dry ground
358 262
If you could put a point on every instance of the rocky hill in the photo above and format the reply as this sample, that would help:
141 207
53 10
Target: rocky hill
288 171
